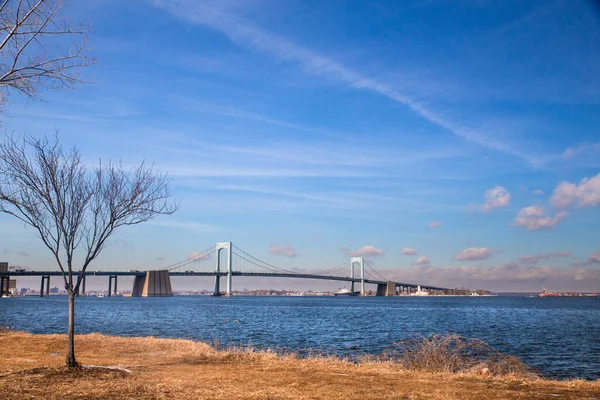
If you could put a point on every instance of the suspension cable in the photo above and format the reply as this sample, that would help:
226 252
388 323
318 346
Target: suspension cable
338 267
372 269
266 264
269 267
202 255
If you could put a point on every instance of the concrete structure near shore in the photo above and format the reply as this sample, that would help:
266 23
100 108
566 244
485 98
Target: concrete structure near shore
386 289
7 286
153 284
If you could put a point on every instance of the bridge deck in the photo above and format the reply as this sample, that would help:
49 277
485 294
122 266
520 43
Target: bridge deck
214 273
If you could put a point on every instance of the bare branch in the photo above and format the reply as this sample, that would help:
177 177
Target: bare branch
27 30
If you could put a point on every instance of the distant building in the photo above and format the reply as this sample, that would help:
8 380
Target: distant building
12 287
3 267
24 290
54 290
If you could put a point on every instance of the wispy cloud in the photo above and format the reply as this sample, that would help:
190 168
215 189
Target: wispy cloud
534 258
435 224
184 225
582 149
246 115
593 259
522 20
339 154
260 171
245 33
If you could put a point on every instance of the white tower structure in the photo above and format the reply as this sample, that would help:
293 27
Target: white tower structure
225 246
360 261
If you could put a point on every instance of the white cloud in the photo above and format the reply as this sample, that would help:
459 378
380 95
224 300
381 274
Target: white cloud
538 192
474 253
534 218
421 261
407 251
366 251
586 193
286 250
496 197
435 224
593 259
534 258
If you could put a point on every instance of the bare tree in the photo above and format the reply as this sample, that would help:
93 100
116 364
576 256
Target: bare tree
73 206
32 33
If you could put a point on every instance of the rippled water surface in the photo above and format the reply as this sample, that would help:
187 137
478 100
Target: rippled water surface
560 337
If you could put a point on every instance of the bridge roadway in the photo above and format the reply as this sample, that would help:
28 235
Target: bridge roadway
222 273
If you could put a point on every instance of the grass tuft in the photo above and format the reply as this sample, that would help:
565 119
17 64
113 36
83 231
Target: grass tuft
455 354
5 330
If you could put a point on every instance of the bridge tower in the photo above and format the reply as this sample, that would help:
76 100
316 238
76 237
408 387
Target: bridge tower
361 262
223 246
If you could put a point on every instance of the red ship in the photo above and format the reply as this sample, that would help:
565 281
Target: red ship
565 294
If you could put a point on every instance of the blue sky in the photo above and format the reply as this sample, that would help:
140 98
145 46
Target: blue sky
467 132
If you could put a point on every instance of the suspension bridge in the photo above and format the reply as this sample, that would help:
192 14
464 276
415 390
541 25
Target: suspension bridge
230 261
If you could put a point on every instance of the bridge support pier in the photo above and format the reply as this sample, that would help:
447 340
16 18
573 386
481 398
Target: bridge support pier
110 279
4 287
152 284
217 291
47 279
390 289
386 289
81 278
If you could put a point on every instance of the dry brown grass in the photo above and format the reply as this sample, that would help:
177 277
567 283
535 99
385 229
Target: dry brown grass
31 367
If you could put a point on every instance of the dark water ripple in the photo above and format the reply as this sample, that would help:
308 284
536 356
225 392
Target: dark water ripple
558 337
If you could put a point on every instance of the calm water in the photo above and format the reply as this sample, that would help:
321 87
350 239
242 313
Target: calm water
558 337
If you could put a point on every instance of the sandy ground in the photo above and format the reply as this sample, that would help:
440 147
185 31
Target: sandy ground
32 367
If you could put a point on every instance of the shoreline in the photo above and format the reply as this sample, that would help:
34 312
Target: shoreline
152 368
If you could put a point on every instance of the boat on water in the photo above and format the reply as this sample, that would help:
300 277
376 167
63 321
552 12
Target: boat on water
345 292
565 294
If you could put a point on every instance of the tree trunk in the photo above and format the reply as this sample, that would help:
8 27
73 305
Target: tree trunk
71 363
